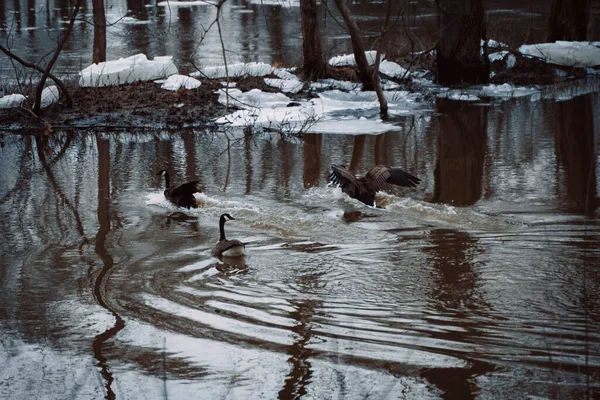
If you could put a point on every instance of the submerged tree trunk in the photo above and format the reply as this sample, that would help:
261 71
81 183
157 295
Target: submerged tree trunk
359 53
569 20
459 58
314 63
99 52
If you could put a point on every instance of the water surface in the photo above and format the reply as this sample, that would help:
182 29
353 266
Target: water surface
482 282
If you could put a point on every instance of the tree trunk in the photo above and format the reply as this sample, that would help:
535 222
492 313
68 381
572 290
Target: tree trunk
383 105
359 53
569 20
314 63
459 58
99 52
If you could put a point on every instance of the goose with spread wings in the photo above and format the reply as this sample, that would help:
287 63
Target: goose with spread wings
365 188
181 195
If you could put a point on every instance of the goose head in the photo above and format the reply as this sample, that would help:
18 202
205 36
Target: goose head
227 217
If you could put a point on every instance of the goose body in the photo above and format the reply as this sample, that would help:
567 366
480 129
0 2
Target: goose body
226 247
180 195
365 188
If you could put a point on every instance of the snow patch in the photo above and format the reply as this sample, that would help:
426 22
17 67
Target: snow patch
323 84
175 82
285 85
11 101
571 54
127 70
238 70
183 3
392 69
347 60
254 98
50 95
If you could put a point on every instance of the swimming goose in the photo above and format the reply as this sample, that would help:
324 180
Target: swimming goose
182 195
225 247
364 189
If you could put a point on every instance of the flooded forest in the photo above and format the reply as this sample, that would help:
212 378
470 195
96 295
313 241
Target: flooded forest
480 282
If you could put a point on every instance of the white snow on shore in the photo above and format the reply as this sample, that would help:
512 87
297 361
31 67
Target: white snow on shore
11 100
571 54
175 82
347 60
340 106
392 69
333 111
285 85
183 3
237 70
127 70
50 95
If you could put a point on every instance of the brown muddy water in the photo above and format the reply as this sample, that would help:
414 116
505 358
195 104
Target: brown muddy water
483 282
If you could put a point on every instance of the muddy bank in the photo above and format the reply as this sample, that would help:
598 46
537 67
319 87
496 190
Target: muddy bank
145 105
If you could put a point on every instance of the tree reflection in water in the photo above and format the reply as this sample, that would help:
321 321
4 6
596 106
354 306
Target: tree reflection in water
107 262
455 292
461 152
576 152
300 376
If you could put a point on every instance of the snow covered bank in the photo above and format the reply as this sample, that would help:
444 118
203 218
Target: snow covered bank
333 111
127 70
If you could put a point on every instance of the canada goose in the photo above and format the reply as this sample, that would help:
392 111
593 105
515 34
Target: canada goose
224 247
182 195
364 189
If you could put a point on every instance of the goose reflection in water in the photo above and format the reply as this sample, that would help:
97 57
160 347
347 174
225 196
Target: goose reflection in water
232 265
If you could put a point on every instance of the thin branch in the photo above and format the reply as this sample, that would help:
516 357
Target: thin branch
61 44
36 67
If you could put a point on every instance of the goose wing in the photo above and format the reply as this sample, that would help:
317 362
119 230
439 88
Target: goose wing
379 175
346 179
186 188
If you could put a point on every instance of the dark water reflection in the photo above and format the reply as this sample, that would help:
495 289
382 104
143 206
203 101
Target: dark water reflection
481 283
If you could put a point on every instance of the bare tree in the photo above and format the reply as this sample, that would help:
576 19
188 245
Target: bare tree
59 83
568 20
99 51
314 63
61 43
359 52
46 71
376 82
462 27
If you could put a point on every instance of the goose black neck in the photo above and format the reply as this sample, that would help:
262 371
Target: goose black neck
167 180
222 228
